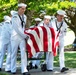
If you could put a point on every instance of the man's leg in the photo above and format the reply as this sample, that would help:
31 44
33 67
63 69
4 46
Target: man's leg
8 60
14 46
61 57
50 59
36 63
23 56
2 53
61 53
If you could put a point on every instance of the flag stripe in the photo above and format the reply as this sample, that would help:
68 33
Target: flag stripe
42 39
34 42
45 39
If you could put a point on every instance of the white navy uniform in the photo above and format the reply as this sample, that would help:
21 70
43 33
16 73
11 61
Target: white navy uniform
0 28
49 25
18 39
55 24
5 44
0 32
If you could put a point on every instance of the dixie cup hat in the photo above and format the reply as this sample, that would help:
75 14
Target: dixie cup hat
47 17
22 4
38 19
61 12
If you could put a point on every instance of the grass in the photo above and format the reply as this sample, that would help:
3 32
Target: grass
70 59
1 73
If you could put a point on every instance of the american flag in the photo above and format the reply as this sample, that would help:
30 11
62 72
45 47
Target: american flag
42 39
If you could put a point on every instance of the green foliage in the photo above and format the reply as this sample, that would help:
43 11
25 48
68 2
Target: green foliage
1 73
6 6
50 6
70 59
66 4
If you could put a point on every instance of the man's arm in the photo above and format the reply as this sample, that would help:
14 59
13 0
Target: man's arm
15 25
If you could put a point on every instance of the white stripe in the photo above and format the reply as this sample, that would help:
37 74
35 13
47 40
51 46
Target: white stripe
49 39
37 39
41 38
31 45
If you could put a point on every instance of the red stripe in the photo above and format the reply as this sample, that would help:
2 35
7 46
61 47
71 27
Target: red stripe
37 31
56 45
33 41
45 39
29 50
53 40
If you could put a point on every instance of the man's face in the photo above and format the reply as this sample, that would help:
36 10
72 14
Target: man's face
46 21
22 9
60 17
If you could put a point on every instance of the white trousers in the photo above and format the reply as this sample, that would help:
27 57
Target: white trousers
50 58
3 48
37 55
14 45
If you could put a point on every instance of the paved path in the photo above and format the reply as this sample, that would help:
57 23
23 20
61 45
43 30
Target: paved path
39 72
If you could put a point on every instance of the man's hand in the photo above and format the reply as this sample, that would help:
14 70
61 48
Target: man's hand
27 38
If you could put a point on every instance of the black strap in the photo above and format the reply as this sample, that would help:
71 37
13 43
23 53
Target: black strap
58 29
22 20
11 22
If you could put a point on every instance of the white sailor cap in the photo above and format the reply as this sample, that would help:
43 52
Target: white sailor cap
47 17
7 18
22 4
61 12
13 12
38 19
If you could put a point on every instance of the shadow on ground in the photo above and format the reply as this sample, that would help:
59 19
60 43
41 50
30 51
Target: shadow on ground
56 71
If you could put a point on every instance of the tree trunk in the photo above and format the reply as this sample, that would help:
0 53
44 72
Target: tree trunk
29 15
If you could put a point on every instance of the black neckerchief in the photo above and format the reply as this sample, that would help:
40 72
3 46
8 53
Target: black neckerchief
22 19
58 29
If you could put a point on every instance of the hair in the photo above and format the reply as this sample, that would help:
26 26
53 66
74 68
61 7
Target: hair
56 14
19 7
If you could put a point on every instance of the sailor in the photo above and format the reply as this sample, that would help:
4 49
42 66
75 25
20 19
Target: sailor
5 44
46 23
60 26
18 39
37 21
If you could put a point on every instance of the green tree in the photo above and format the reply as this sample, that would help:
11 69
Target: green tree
34 8
6 6
71 19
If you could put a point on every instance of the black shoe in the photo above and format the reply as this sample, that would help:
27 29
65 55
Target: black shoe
9 71
50 70
30 65
36 66
43 67
26 73
0 69
64 69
